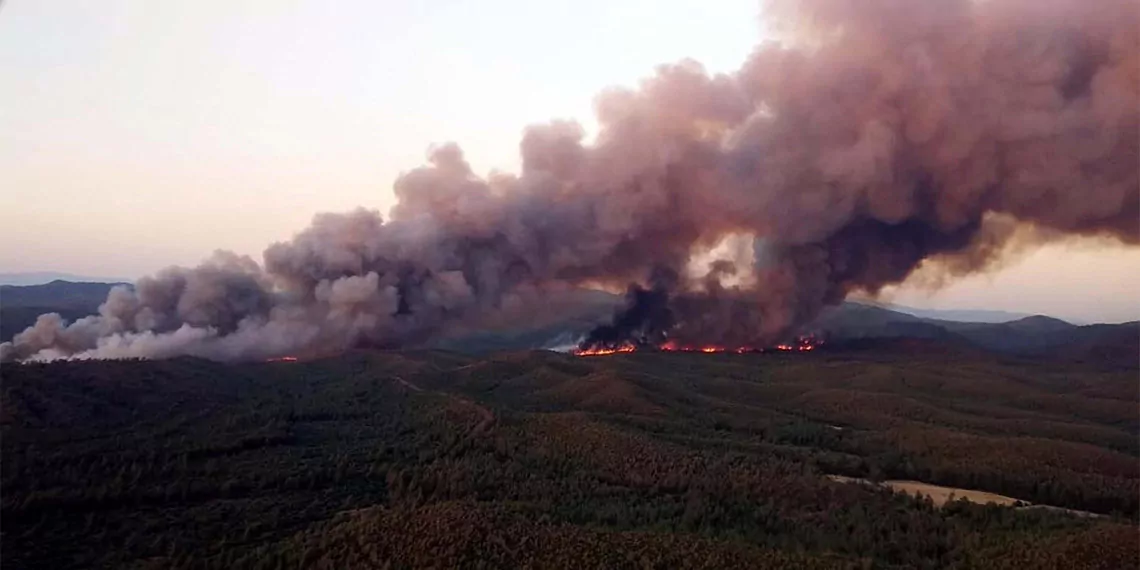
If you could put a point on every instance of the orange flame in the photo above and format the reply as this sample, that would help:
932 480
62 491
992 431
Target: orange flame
802 344
603 351
282 359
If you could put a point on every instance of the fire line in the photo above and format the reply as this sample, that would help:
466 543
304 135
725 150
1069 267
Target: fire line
801 344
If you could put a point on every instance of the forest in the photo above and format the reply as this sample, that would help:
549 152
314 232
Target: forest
532 459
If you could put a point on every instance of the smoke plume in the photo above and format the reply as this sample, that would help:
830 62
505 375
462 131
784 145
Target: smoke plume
868 137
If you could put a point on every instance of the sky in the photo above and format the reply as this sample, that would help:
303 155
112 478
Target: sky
141 134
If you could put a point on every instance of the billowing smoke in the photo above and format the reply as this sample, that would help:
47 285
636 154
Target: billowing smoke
645 320
871 136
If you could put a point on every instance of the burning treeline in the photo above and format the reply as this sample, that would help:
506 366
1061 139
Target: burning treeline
805 343
869 137
647 322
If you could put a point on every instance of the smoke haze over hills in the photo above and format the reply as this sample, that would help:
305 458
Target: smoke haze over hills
872 139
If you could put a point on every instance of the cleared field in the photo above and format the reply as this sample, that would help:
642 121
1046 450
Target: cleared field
937 493
941 495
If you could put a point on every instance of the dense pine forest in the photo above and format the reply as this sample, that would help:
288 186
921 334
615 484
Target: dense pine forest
544 460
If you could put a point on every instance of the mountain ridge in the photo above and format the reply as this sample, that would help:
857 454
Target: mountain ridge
32 278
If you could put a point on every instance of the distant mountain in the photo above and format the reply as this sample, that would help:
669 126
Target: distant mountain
1116 343
1037 336
857 320
963 315
55 294
856 324
1040 324
42 277
20 305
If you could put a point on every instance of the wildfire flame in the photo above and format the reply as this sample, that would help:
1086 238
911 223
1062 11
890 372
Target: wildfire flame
802 344
598 351
282 359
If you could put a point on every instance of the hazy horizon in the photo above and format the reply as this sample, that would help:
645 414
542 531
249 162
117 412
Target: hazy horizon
917 302
144 135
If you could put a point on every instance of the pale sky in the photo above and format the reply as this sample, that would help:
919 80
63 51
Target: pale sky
136 134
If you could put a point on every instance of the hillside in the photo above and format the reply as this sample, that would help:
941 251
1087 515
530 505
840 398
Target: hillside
543 460
1036 336
20 305
960 315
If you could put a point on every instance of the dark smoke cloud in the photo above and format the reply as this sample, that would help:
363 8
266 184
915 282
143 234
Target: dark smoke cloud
873 137
645 320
